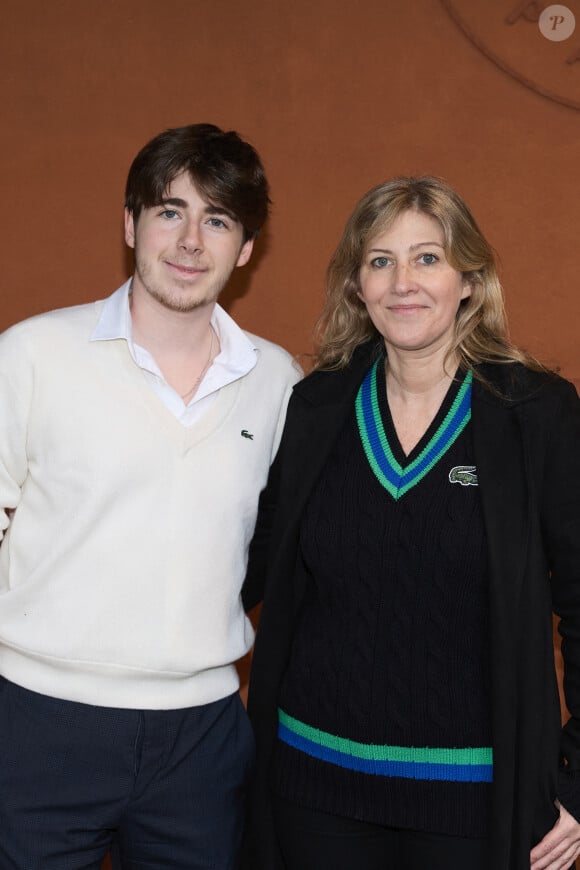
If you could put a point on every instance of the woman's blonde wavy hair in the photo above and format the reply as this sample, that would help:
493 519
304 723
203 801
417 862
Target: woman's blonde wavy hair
480 327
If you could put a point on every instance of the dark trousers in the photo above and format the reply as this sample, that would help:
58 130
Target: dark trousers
312 840
166 785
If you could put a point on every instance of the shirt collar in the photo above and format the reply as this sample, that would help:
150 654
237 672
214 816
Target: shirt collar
115 318
238 354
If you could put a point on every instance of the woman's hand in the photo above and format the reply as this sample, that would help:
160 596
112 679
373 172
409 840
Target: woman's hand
559 848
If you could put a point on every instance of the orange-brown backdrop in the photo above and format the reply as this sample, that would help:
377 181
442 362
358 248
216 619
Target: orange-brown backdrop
336 96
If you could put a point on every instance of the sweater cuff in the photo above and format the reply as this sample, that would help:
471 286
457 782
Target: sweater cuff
569 791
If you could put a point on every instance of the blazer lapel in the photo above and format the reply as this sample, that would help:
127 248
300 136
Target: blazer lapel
320 407
322 403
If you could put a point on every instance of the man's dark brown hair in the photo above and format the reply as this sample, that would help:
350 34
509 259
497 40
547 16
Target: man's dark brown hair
226 171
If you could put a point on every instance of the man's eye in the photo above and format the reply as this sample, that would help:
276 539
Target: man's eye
216 222
169 214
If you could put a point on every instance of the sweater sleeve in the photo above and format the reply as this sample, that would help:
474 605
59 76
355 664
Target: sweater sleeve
254 583
561 528
16 384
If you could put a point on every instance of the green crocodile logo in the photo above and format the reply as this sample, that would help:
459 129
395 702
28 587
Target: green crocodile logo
464 474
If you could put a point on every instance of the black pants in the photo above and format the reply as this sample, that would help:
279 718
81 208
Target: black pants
167 786
312 840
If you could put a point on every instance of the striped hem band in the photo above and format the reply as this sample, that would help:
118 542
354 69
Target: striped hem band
472 764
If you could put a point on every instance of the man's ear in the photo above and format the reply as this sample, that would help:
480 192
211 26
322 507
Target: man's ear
245 253
129 228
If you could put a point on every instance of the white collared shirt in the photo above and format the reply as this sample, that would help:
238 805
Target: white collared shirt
237 356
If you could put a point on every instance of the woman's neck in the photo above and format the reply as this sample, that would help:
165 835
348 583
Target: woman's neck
416 387
416 376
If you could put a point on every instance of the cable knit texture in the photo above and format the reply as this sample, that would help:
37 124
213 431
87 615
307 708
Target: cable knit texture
391 647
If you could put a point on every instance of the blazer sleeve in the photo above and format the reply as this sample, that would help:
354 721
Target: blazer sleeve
560 516
258 554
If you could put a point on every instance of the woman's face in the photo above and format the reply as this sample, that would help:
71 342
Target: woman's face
411 292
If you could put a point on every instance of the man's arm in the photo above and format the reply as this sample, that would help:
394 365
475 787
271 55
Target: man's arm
254 583
16 383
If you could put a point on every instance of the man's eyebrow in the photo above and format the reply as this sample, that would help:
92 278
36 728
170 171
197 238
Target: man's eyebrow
219 209
209 208
173 200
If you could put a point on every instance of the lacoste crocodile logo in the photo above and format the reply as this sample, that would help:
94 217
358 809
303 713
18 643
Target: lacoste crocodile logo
245 434
463 474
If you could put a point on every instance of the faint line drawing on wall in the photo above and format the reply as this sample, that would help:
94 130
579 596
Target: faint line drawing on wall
508 34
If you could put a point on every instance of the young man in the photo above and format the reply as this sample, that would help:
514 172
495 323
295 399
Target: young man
137 433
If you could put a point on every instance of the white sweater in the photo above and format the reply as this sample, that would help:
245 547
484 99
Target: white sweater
125 534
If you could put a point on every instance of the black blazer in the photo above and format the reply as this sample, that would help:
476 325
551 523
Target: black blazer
527 448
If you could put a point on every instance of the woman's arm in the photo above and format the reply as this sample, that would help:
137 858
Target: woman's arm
560 514
255 581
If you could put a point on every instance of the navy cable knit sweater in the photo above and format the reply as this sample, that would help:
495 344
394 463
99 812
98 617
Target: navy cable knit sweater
384 708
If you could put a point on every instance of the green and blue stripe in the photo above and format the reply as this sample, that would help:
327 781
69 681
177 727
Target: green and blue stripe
390 474
471 764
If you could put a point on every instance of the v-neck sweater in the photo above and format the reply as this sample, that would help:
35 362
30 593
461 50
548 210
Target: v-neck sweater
126 533
384 707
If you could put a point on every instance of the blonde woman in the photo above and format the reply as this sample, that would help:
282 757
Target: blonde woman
421 522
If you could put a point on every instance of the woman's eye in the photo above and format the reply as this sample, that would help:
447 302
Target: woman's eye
380 262
428 259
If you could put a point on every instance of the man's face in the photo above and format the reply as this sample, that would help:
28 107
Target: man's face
185 249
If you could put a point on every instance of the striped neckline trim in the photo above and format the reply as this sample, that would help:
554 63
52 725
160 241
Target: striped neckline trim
390 474
470 764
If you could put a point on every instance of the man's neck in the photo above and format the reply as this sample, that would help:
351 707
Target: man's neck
161 330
